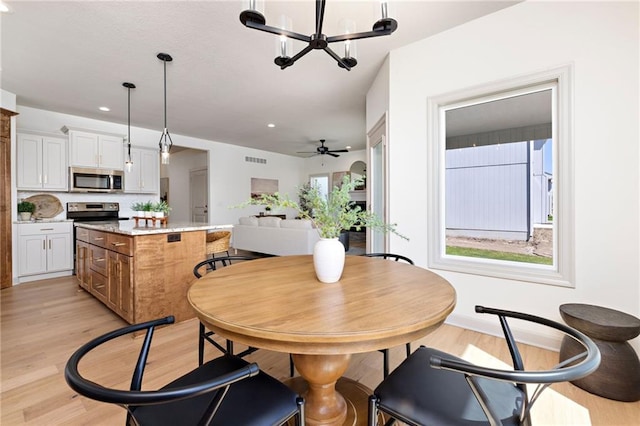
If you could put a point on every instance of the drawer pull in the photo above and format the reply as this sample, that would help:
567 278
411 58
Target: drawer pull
99 259
96 286
98 238
118 244
46 229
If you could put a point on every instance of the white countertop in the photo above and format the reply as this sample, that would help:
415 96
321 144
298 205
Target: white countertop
128 227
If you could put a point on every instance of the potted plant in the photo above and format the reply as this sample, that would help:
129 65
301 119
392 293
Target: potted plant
161 209
330 216
138 208
147 208
26 209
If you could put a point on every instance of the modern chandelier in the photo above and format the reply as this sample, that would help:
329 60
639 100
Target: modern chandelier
252 18
165 139
129 163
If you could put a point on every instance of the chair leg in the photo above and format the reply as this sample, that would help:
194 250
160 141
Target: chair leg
229 347
408 349
300 417
373 411
291 366
385 363
201 344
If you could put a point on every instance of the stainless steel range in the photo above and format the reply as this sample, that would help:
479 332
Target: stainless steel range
92 212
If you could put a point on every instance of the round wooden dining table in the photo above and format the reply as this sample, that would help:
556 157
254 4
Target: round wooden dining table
277 303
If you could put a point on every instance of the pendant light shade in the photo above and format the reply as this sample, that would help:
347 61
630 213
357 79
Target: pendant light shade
129 162
165 139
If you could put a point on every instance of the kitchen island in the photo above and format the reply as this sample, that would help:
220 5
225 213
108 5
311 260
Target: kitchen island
140 272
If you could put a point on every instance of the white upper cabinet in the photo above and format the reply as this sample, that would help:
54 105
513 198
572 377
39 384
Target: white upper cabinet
144 176
41 162
94 149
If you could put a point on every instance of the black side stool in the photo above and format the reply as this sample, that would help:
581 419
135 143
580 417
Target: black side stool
618 376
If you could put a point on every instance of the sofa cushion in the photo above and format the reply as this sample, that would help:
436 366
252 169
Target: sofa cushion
296 223
250 220
273 222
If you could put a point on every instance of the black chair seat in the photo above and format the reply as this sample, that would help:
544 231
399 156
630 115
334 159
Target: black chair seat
448 400
273 403
225 391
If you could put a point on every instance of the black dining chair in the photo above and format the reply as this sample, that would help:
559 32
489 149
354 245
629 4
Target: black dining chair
432 387
385 352
206 335
215 392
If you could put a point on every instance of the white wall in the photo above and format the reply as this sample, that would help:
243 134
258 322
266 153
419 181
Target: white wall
601 41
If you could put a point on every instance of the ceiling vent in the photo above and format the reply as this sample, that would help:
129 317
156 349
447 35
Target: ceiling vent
255 160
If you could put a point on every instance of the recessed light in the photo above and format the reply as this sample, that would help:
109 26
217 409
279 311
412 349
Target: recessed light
105 109
271 125
348 147
4 8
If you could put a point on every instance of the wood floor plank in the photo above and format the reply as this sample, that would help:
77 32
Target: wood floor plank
43 322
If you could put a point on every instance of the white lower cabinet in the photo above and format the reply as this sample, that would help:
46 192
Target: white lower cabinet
44 248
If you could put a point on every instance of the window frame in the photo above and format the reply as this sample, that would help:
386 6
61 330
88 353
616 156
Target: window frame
562 272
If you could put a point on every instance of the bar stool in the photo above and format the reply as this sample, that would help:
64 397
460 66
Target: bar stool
618 376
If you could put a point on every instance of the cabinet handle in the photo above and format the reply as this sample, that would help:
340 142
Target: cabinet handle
45 179
44 245
49 244
39 178
118 244
100 161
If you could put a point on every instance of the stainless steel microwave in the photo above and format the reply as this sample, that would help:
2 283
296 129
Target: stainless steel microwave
95 180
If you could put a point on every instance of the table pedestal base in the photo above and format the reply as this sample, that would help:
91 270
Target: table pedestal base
356 396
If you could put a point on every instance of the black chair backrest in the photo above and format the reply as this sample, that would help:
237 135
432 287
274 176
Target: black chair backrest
136 397
391 256
577 367
217 262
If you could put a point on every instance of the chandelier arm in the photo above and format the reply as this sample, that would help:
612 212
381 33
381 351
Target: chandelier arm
297 56
278 31
337 58
357 36
319 16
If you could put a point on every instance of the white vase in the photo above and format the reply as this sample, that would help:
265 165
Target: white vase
328 259
140 213
148 214
159 214
25 216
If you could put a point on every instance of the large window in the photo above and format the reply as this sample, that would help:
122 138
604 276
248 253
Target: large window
501 190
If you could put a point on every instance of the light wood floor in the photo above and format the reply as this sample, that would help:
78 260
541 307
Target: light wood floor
43 322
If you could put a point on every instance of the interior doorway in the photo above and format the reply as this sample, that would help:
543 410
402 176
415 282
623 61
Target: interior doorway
199 190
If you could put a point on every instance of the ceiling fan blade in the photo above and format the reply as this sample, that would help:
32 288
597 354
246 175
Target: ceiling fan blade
338 150
306 152
332 154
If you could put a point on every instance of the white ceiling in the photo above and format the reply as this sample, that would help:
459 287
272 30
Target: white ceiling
72 57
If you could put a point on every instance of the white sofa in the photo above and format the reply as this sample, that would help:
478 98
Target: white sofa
273 235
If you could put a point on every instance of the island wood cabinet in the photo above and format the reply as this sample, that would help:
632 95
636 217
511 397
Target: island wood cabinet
44 248
140 277
41 162
103 268
95 150
145 173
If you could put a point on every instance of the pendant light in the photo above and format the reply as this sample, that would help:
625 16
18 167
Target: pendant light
129 163
165 139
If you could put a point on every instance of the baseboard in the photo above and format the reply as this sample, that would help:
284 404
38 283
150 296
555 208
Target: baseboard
489 324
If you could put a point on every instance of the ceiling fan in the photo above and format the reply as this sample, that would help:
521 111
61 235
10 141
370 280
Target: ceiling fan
322 150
